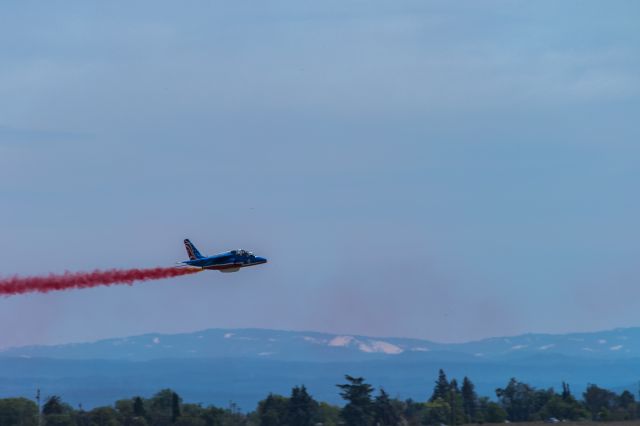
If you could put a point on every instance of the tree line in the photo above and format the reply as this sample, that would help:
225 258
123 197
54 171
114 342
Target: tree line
449 404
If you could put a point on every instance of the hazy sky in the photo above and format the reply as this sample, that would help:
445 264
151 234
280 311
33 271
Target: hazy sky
436 169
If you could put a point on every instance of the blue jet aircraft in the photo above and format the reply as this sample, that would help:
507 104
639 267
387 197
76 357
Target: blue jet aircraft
230 261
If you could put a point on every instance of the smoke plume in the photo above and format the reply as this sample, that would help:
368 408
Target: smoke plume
75 280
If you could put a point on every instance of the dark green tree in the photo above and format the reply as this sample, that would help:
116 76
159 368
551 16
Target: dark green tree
599 402
53 405
441 389
160 410
437 412
414 412
138 421
541 398
213 416
386 412
103 416
273 410
190 421
175 407
563 408
124 407
469 400
57 413
456 413
18 412
518 400
625 407
138 407
328 415
490 412
233 417
59 420
626 399
302 408
566 391
358 410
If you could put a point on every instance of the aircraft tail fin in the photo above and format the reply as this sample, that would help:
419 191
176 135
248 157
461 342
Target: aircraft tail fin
192 251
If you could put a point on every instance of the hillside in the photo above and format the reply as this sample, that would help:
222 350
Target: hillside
217 366
325 347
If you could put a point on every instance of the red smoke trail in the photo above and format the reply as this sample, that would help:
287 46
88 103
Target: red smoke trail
72 280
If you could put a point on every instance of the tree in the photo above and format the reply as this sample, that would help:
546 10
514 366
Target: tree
566 391
625 407
272 411
414 412
328 415
124 407
489 411
563 408
357 393
213 416
518 400
495 413
56 412
541 397
438 412
626 399
192 410
59 420
386 413
138 421
138 407
175 407
302 408
456 414
599 402
469 400
53 405
233 417
190 421
18 412
441 389
103 416
161 407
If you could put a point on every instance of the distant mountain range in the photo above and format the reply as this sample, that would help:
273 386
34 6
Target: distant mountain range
243 365
325 347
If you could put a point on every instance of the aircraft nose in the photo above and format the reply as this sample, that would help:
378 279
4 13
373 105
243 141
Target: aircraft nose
261 259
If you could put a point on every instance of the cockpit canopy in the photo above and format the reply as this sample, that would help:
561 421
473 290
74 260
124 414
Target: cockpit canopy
241 252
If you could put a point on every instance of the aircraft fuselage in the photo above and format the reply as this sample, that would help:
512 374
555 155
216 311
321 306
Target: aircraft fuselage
230 261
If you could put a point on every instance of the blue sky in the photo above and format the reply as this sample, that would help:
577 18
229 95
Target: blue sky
430 169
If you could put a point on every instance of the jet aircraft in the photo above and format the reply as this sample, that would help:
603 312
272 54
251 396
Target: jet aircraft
230 261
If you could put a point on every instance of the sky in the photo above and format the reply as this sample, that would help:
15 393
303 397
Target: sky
419 168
